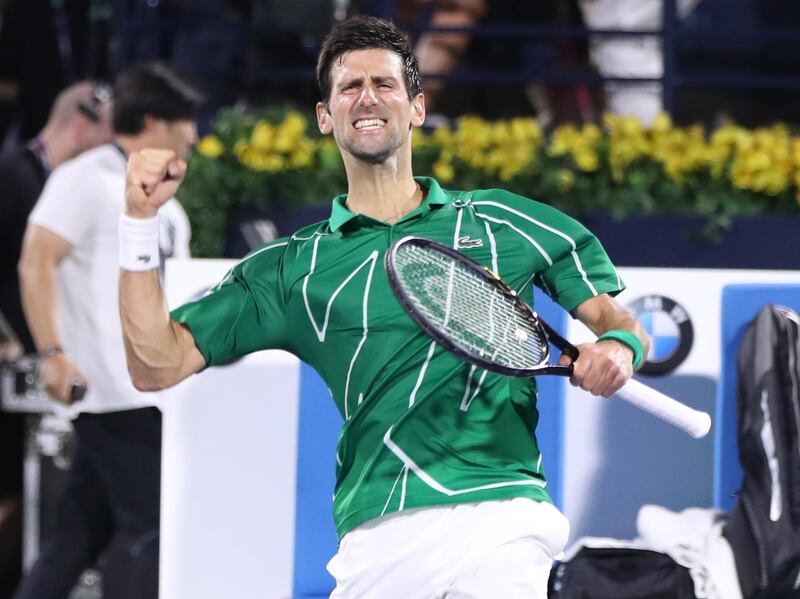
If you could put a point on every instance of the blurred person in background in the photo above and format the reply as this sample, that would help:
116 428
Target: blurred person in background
80 119
639 57
438 52
69 279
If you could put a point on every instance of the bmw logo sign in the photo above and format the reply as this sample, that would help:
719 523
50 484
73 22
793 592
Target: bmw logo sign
670 329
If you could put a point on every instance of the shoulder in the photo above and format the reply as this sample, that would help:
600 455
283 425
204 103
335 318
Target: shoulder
102 158
506 200
310 232
528 214
286 247
83 168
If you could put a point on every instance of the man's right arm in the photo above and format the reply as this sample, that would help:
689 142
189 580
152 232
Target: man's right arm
160 352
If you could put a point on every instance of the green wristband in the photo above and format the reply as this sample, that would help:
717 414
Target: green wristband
629 340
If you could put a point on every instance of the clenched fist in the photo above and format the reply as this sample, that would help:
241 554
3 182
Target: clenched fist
59 375
153 177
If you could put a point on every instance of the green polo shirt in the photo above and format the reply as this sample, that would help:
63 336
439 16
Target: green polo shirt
421 427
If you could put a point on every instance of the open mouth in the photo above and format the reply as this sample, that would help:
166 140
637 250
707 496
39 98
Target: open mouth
371 123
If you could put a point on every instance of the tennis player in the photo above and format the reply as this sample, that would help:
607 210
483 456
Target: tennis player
440 490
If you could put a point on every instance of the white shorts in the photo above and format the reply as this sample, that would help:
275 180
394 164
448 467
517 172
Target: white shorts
482 550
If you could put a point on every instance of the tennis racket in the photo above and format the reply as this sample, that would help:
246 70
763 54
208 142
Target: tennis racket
468 310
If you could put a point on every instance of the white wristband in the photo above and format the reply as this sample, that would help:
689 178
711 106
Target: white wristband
138 243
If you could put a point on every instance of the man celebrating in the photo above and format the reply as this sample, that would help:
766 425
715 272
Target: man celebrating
69 277
440 490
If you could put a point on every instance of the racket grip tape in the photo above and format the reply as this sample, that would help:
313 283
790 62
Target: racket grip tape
694 422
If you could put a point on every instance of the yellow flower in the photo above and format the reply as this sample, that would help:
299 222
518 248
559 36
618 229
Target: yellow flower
302 155
262 135
442 136
210 146
526 130
284 141
630 125
294 123
240 148
716 157
757 160
622 152
443 171
274 162
591 132
674 167
289 132
662 123
563 140
586 160
741 178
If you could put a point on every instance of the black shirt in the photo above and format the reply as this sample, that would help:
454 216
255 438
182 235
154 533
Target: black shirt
22 178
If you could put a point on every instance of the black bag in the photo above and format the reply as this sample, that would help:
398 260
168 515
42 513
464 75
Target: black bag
764 526
613 573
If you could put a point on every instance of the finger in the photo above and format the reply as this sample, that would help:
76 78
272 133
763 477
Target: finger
60 392
580 371
150 167
176 169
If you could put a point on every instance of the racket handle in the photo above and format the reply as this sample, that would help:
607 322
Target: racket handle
694 422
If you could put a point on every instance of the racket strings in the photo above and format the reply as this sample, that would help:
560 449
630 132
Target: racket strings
470 310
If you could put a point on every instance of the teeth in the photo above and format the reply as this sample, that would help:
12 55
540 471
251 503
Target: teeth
369 124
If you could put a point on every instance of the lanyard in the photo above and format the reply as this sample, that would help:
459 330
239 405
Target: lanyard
37 147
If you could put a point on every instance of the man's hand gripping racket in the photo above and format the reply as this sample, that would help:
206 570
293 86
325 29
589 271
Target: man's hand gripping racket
468 310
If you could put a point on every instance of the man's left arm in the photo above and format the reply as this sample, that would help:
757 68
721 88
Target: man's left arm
605 366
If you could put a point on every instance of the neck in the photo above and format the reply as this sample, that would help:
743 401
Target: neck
384 192
58 147
132 143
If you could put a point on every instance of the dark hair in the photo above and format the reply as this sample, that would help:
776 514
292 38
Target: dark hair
362 33
152 89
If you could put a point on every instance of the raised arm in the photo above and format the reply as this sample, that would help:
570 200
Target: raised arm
605 366
160 352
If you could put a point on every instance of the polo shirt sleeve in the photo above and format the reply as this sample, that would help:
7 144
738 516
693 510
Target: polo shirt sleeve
578 273
245 312
63 209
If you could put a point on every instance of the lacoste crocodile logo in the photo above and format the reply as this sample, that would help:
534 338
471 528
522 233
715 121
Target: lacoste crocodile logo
143 258
465 243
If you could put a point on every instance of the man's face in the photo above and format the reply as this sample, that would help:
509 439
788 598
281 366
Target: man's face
178 136
368 112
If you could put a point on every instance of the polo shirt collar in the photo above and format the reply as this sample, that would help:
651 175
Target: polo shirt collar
435 196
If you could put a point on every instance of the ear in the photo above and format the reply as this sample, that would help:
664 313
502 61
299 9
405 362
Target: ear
418 110
324 121
151 124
